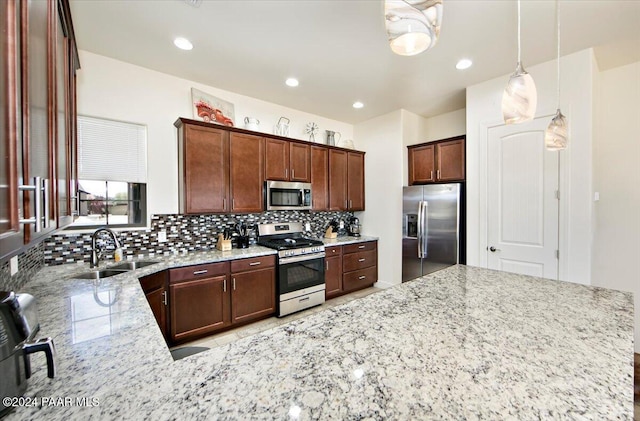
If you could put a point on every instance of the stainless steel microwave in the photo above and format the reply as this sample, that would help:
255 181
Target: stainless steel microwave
285 195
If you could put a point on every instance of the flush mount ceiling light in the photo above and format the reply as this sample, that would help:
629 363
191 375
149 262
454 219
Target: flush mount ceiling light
413 26
556 135
358 105
520 99
293 82
183 43
463 64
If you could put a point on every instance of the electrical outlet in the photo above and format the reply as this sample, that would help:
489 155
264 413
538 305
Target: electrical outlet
13 265
307 226
162 236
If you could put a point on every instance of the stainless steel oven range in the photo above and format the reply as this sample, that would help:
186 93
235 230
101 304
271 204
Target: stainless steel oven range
300 278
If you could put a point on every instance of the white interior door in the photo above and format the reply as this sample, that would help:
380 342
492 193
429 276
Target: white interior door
522 201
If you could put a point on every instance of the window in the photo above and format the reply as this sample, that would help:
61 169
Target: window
112 173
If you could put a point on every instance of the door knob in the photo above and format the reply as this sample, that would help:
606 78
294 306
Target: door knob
493 249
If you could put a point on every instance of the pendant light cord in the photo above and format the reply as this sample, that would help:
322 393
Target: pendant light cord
518 31
558 29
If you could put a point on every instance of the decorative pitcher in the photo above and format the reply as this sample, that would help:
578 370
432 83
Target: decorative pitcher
282 128
331 137
251 123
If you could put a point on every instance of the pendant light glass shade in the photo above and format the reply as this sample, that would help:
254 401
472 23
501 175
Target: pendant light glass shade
413 26
520 98
555 137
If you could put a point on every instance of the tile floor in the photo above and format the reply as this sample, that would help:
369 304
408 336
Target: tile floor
253 328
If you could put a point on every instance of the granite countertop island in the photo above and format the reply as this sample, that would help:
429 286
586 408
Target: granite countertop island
461 343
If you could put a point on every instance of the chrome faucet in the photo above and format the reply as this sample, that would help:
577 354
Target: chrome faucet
95 255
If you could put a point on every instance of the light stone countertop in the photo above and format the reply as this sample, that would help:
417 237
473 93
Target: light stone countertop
341 241
461 343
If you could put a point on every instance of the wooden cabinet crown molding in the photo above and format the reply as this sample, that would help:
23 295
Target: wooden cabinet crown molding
182 121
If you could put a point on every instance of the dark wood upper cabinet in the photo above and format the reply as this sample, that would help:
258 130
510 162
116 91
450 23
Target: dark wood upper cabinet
346 180
246 172
11 208
355 181
246 160
286 161
450 160
276 160
203 169
320 178
38 123
300 162
337 180
440 161
422 164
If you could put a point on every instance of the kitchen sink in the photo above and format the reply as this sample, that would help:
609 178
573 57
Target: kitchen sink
133 265
99 274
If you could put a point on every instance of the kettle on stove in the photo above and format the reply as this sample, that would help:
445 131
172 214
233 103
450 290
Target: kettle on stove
18 328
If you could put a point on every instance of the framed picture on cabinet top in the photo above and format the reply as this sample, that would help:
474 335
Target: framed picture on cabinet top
211 109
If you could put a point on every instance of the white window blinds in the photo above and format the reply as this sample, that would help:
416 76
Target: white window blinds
111 150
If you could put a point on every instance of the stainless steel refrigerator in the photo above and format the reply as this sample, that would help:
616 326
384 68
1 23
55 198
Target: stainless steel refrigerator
431 228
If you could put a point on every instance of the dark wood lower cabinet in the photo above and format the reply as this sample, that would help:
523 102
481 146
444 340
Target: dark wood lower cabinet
253 295
198 307
155 290
350 268
333 271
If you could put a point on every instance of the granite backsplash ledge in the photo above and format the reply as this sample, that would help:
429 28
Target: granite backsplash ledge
184 233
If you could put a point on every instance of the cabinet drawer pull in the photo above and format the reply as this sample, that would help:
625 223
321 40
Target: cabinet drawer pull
224 285
303 299
361 247
234 284
200 272
254 263
361 260
362 277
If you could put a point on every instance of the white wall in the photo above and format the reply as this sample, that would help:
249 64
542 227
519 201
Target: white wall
381 139
576 206
616 158
113 89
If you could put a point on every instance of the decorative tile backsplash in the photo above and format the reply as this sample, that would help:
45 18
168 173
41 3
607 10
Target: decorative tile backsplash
29 263
184 233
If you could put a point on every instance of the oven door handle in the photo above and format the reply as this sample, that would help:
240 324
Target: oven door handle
302 258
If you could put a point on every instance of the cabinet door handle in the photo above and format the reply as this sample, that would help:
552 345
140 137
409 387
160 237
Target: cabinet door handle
326 264
350 203
200 272
361 247
286 173
361 277
40 190
233 204
431 176
224 285
224 204
254 263
438 173
346 204
293 173
164 297
234 284
361 260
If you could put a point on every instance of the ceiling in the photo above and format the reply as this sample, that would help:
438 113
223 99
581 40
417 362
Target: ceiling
339 51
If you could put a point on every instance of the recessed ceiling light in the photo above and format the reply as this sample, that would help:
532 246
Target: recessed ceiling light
292 82
183 43
465 63
358 104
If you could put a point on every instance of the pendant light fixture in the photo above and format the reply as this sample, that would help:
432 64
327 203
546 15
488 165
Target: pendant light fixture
520 98
556 135
413 26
